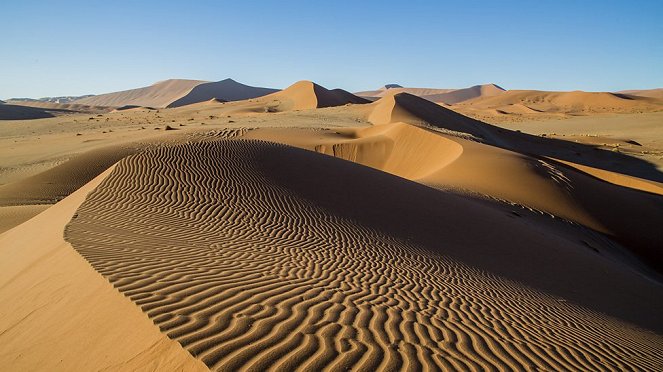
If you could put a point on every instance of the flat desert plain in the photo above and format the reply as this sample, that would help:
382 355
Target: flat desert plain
210 225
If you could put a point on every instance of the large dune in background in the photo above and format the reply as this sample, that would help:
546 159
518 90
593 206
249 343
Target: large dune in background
308 95
532 104
160 94
226 90
447 96
19 112
653 93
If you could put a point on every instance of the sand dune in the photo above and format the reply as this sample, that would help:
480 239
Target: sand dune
57 313
250 263
653 93
392 89
562 189
448 96
308 95
461 95
409 237
224 90
532 103
404 107
17 112
160 94
72 107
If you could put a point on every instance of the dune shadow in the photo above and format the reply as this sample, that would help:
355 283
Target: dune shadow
488 238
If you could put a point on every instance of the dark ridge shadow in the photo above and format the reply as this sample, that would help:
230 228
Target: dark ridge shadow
16 112
335 97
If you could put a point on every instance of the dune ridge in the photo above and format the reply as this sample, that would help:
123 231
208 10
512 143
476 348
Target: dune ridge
304 95
19 112
159 94
447 96
224 90
248 264
544 103
653 93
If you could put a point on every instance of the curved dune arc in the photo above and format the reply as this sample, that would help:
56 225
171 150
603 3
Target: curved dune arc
245 261
400 149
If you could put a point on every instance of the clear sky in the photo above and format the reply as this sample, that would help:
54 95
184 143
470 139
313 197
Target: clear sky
50 48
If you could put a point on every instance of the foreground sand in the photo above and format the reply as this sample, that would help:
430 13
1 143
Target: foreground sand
425 241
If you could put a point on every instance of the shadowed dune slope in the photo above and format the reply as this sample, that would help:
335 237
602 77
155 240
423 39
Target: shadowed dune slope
18 112
252 254
460 95
418 111
226 90
653 93
391 90
307 95
157 95
63 107
448 96
562 189
404 107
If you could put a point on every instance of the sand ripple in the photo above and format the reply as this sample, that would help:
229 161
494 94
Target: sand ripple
248 274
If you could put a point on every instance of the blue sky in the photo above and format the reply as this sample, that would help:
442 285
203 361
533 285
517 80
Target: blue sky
76 47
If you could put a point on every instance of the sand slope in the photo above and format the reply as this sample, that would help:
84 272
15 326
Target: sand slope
574 103
225 90
307 95
452 151
58 314
67 108
391 90
18 112
461 95
251 258
160 94
447 96
653 93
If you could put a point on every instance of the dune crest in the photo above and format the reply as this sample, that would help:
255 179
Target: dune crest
224 90
159 94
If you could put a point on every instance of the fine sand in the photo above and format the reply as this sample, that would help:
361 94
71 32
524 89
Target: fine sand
309 229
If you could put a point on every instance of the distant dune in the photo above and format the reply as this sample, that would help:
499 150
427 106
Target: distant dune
62 107
517 104
56 100
226 90
567 102
18 112
395 88
653 93
461 95
308 95
447 96
160 94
